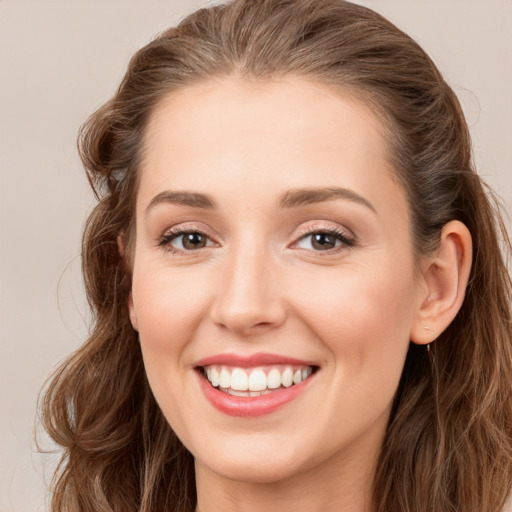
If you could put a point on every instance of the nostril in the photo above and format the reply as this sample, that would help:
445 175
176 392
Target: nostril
246 322
247 299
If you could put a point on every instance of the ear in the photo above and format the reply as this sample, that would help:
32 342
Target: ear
444 278
131 311
131 308
121 249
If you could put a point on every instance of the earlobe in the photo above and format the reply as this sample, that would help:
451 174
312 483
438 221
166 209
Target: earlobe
121 246
131 310
445 277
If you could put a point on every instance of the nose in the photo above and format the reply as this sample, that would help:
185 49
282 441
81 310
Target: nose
249 298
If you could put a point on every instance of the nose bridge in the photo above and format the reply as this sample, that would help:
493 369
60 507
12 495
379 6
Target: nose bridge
248 297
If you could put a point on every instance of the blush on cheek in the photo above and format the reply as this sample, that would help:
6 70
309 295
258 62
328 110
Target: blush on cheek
163 313
360 316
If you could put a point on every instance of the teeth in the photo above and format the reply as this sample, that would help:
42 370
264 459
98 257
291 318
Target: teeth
274 379
239 380
287 378
213 377
224 379
255 382
235 392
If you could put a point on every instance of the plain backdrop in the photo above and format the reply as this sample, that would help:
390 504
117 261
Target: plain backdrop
59 61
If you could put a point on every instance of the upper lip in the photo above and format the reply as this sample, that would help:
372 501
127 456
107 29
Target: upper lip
250 360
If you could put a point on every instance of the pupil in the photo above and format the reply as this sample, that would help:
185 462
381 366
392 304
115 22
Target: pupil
194 241
323 241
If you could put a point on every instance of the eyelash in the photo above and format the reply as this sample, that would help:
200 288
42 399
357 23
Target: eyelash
174 233
346 240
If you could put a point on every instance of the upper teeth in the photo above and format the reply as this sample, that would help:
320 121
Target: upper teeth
256 379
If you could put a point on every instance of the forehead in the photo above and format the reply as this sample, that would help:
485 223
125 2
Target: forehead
288 107
288 133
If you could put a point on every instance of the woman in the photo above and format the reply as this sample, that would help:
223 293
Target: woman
300 297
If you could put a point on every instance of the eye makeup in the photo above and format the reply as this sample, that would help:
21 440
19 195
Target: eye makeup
188 239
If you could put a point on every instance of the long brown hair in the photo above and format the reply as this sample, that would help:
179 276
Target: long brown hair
448 446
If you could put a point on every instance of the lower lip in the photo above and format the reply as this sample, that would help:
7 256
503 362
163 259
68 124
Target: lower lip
251 406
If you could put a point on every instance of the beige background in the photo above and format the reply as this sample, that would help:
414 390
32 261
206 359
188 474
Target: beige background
59 60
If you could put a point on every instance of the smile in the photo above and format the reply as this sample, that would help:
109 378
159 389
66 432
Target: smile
258 381
255 385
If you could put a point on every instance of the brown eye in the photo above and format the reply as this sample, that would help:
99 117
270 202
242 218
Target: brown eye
185 241
191 241
323 241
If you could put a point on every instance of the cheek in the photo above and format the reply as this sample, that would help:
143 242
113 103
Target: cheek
361 315
168 305
363 319
358 298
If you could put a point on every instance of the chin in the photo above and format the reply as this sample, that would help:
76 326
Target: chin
258 467
269 472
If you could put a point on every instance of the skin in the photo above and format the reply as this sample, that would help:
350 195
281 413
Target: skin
259 285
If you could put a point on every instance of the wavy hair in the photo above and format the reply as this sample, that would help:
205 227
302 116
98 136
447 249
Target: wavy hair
448 445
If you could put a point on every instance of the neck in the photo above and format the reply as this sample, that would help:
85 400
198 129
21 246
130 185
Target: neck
341 484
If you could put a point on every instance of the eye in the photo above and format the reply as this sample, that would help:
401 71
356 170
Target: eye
325 240
185 241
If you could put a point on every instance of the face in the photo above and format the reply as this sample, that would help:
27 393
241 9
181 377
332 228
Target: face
274 285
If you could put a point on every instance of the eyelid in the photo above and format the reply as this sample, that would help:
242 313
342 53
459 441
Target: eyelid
173 232
317 226
345 235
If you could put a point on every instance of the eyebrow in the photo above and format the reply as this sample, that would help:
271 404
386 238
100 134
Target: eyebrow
306 196
183 198
290 199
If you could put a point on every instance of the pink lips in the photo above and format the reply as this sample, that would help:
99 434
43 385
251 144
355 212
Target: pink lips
243 406
246 361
